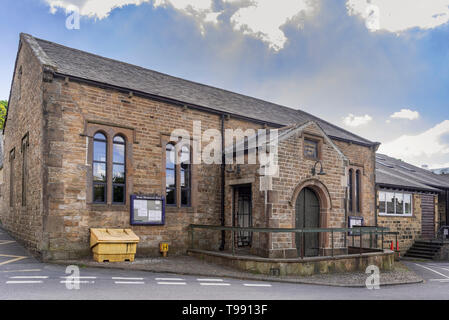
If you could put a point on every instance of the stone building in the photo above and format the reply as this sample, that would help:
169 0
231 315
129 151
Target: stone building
411 200
84 133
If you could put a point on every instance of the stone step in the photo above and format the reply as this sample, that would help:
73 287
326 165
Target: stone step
423 252
418 247
417 256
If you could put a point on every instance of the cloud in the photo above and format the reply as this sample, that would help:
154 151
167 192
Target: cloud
430 147
400 15
356 121
405 114
247 17
264 18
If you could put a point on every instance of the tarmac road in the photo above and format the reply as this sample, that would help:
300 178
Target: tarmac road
22 278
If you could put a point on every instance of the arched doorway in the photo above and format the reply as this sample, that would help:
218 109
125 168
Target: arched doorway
307 210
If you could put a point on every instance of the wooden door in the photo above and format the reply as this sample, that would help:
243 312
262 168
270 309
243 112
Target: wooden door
307 216
428 216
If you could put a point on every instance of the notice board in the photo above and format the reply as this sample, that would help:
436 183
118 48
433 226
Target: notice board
147 210
354 222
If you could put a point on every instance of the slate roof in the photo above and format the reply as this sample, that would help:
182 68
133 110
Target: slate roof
395 172
72 62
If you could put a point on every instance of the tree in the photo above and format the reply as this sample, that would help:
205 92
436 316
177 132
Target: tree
3 108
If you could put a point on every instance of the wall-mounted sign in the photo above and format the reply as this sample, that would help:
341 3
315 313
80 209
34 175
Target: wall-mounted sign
354 222
147 210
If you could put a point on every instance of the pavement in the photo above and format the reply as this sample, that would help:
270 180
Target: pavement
24 278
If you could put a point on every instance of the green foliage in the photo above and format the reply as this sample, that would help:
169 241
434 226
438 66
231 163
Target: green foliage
3 108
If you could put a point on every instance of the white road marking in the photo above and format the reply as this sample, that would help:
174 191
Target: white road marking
443 275
23 282
26 270
215 284
129 282
169 279
123 278
14 259
6 241
440 280
443 268
76 281
172 283
72 277
211 280
29 277
256 285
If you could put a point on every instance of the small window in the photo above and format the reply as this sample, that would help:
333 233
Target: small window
99 165
407 204
382 198
118 170
395 203
390 202
310 149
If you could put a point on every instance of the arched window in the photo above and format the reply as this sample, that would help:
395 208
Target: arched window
351 189
357 190
170 174
185 172
118 170
99 165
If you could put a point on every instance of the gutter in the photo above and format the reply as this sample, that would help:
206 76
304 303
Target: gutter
410 189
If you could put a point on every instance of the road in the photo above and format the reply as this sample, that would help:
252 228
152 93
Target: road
23 277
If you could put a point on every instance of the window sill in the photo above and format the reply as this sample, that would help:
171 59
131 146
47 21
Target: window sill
108 207
395 215
173 209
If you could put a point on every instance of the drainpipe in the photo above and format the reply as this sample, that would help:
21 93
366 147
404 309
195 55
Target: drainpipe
222 207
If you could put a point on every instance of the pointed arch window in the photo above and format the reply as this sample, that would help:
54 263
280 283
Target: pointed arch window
357 190
118 169
99 166
351 189
170 174
185 173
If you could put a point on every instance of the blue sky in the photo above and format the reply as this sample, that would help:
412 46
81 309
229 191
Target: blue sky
378 69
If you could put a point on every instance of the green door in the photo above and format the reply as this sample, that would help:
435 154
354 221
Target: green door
307 216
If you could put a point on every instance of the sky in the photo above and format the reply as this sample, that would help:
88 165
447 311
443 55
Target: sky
378 68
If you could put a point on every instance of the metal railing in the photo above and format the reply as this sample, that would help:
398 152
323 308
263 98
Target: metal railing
353 234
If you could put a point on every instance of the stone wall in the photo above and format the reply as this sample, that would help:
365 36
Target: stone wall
24 222
409 228
294 175
61 117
